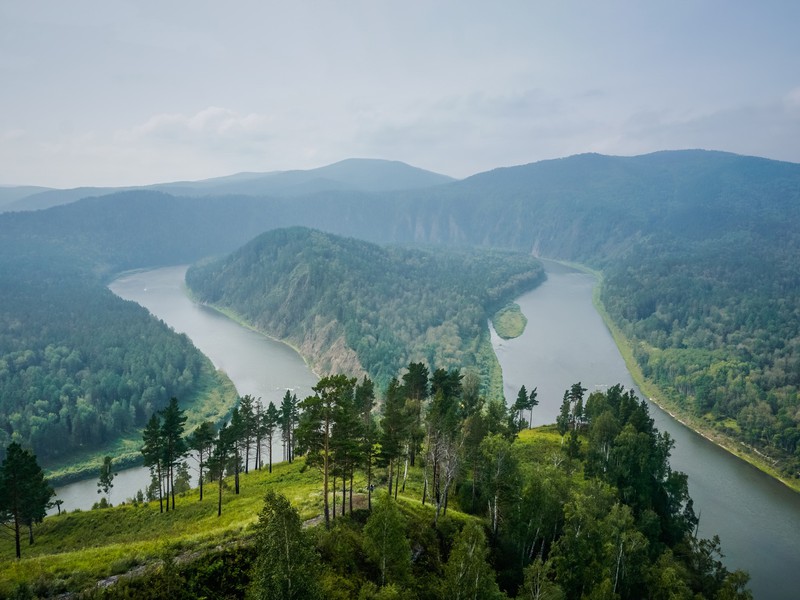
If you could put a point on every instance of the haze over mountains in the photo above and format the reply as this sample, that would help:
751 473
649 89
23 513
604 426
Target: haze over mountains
366 175
698 251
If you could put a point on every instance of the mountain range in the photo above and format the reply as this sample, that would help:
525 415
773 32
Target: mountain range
366 175
697 249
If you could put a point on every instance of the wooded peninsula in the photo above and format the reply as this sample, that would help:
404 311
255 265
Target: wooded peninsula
697 253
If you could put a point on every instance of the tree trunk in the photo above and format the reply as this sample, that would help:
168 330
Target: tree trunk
200 477
325 475
405 475
219 501
351 491
344 493
16 534
424 484
172 484
160 489
369 481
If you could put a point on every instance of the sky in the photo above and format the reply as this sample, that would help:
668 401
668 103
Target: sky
134 92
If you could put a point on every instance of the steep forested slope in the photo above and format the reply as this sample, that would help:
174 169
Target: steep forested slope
81 369
353 305
698 252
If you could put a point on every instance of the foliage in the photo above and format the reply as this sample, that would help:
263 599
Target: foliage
105 480
388 305
613 521
286 565
468 574
509 322
24 492
385 542
697 250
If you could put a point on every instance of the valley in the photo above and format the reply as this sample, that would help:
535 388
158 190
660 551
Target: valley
723 353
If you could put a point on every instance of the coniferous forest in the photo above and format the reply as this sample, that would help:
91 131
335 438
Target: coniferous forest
696 252
387 305
430 491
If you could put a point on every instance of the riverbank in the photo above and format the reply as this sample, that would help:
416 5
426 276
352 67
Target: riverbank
213 400
658 397
487 365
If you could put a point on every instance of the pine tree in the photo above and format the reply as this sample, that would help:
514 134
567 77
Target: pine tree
247 413
174 444
153 453
218 461
271 419
533 402
520 405
288 419
365 402
202 442
316 426
392 428
24 492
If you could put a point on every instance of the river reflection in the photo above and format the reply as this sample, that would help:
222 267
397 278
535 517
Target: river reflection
566 341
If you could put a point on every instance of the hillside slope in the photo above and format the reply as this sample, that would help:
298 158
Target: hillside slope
357 307
698 253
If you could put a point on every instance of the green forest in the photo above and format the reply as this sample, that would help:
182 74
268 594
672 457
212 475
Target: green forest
718 332
438 493
391 305
81 369
696 250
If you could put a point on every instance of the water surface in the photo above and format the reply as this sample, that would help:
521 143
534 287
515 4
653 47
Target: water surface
566 341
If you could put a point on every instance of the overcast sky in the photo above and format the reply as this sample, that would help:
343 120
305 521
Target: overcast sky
120 93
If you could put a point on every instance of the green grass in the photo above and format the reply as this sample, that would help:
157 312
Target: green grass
74 550
509 322
213 401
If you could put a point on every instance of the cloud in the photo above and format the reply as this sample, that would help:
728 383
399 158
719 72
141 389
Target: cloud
770 130
209 125
12 135
792 102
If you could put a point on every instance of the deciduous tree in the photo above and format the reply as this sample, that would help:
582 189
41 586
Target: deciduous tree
106 478
286 567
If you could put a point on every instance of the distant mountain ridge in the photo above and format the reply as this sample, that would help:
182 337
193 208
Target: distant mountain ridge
354 174
698 251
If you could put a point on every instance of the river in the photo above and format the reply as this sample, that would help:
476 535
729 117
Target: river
256 364
756 517
566 341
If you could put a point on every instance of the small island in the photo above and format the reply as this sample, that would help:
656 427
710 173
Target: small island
509 322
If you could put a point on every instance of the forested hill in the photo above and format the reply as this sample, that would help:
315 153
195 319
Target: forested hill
698 253
81 370
355 306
